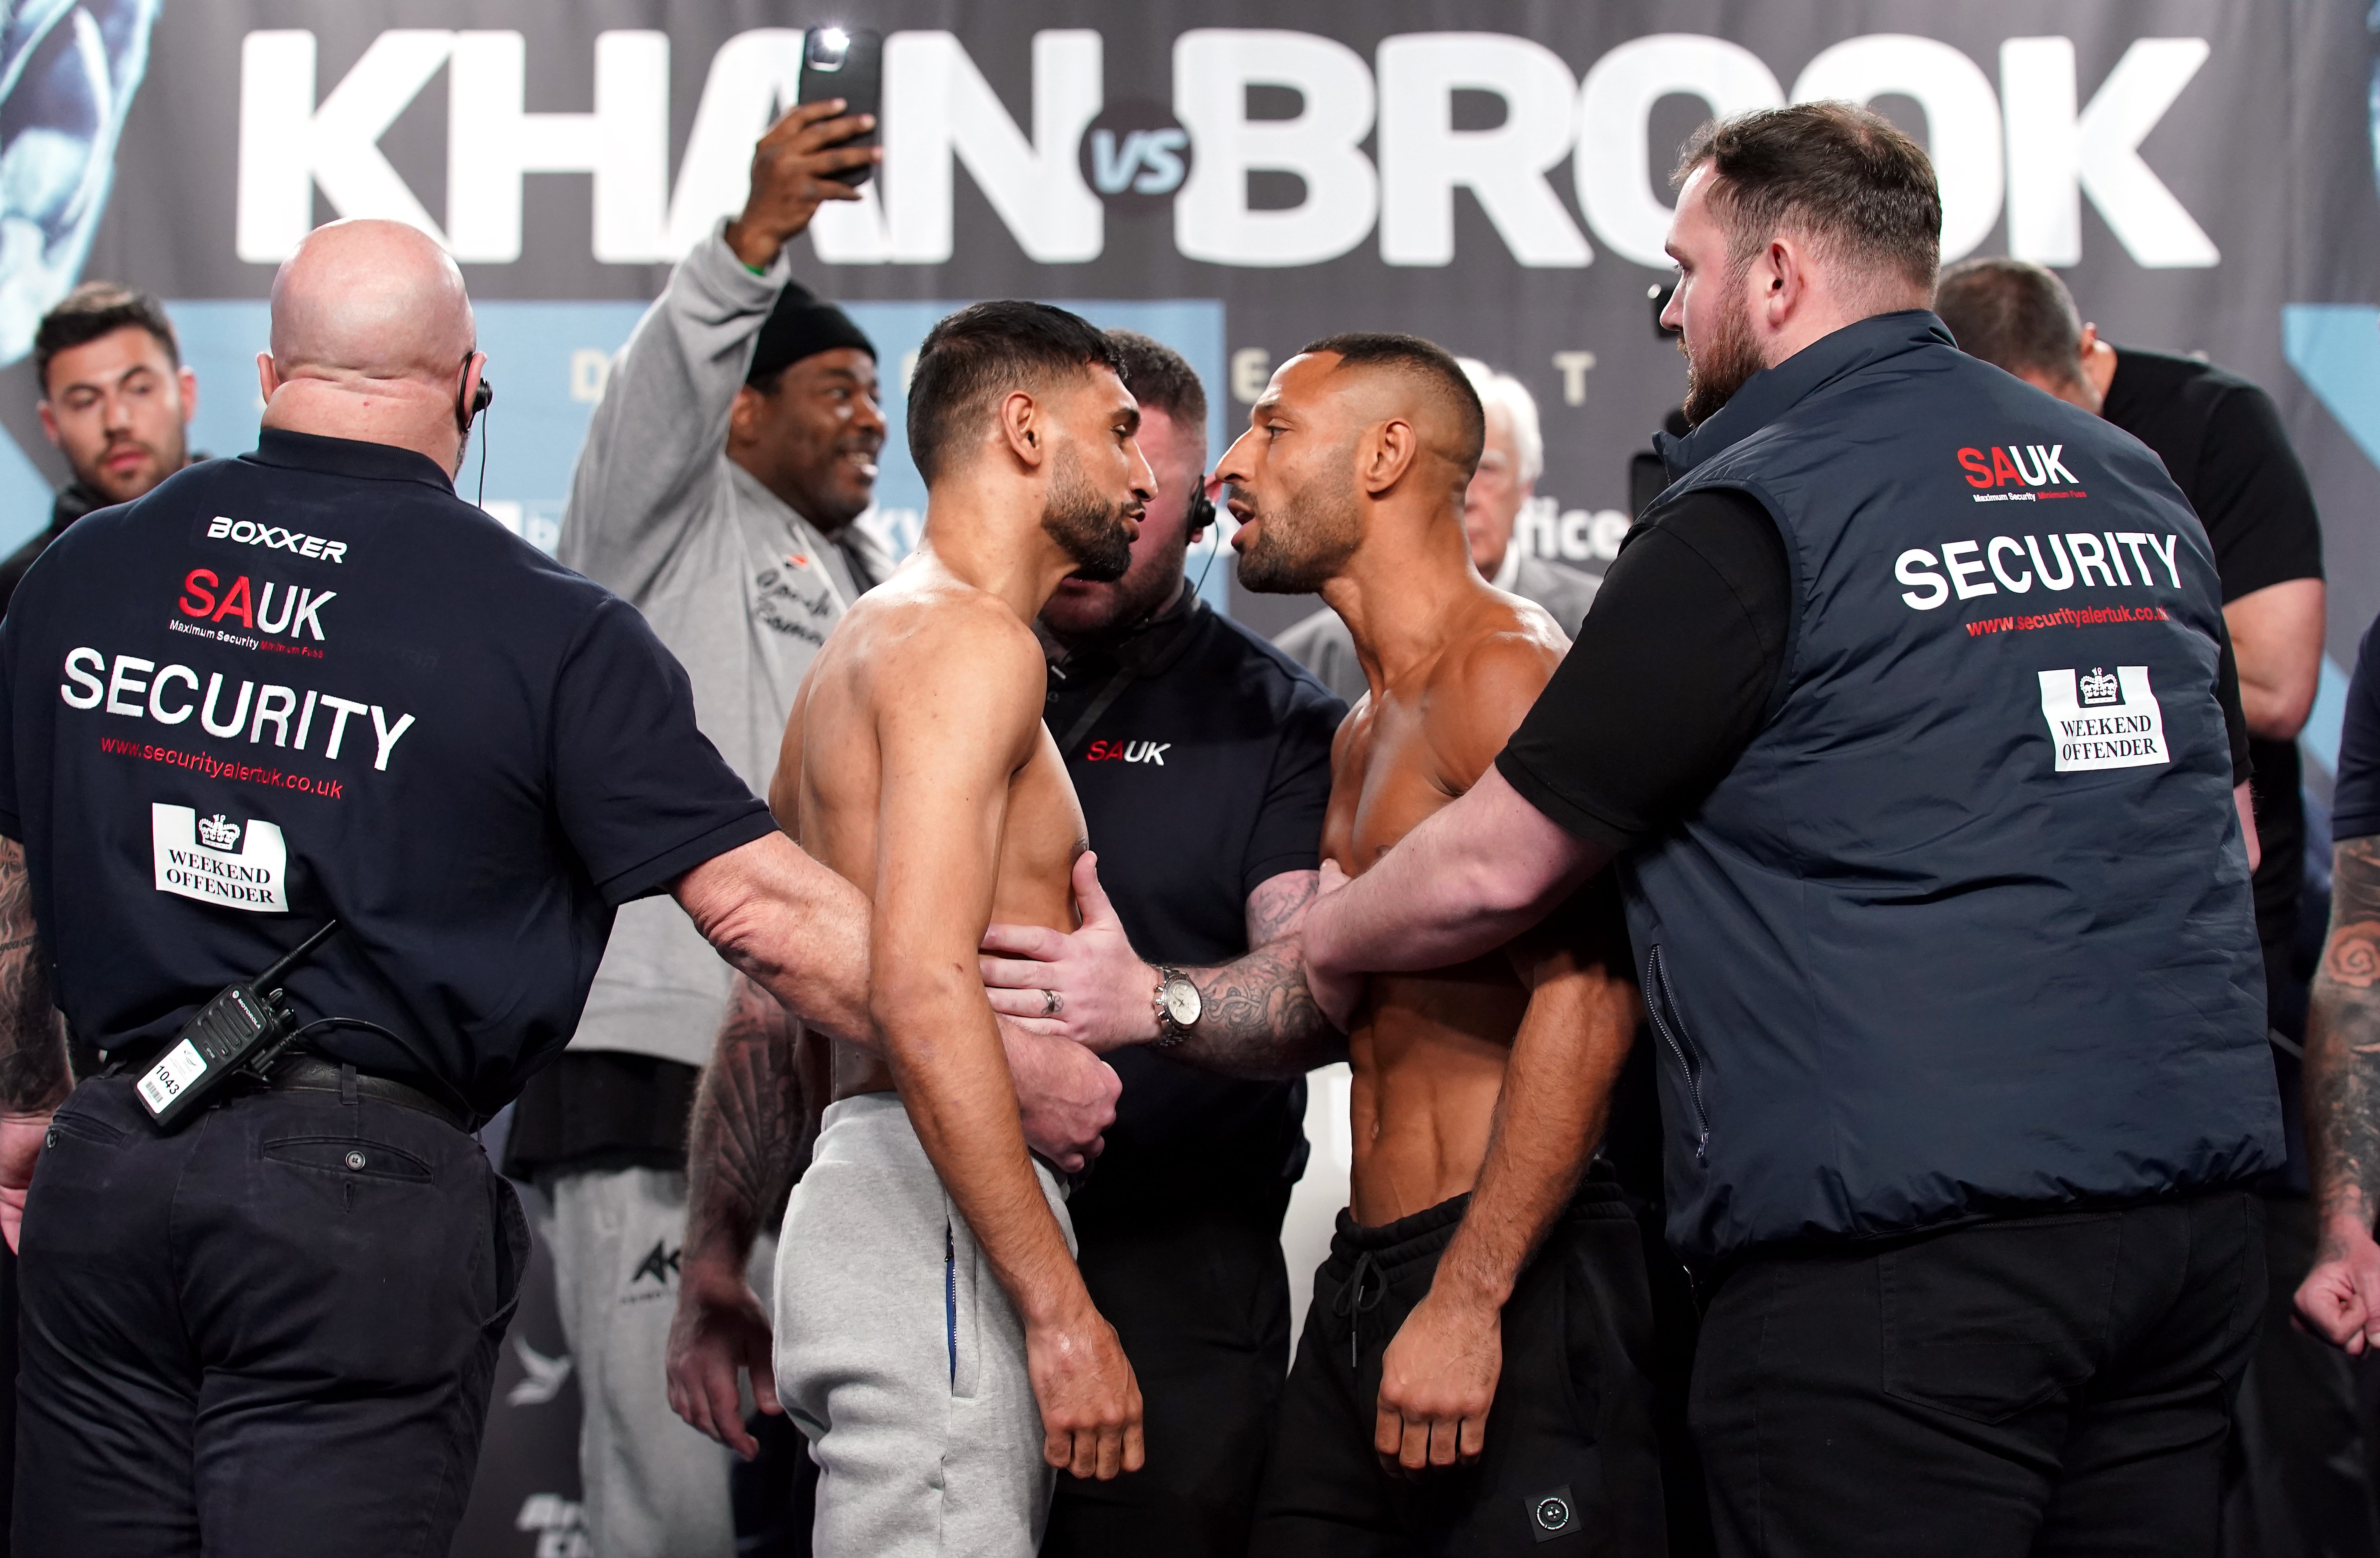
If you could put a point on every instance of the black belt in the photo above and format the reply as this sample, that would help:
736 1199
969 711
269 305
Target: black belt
312 1073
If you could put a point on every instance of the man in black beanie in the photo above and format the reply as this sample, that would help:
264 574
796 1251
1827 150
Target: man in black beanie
734 444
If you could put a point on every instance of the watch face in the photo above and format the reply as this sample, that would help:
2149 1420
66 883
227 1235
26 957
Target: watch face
1182 1001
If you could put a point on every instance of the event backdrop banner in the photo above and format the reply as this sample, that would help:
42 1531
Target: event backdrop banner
1232 177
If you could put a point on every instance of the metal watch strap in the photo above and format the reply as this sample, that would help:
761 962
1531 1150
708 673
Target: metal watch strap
1169 1032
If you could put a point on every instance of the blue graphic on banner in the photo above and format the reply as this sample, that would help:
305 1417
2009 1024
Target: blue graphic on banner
548 361
2332 346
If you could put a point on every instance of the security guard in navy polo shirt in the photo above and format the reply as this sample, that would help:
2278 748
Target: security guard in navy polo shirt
1202 758
309 702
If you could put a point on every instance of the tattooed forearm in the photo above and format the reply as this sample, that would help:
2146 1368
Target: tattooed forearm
33 1075
753 1122
1260 1021
2343 1041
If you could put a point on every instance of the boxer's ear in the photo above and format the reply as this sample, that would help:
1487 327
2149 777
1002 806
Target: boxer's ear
1025 428
1385 454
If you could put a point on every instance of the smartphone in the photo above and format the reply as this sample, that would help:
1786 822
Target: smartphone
848 64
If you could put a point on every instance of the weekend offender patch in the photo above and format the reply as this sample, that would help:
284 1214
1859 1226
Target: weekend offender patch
2100 721
236 866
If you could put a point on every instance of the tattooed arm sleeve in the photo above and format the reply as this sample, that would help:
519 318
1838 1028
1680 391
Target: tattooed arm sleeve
754 1118
33 1075
1259 1020
2342 1052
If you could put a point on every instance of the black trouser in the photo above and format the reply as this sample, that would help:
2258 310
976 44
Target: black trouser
1200 1301
2038 1385
271 1333
1570 1440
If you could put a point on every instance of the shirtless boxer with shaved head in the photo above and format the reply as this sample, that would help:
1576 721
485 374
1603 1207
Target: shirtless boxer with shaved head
1472 1376
934 1339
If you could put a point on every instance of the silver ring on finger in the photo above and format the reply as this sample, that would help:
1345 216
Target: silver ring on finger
1052 1003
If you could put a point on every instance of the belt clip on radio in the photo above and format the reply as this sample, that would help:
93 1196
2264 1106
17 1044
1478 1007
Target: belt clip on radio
241 1031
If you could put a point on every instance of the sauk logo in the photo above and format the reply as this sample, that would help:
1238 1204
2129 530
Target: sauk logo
1128 751
2020 473
219 832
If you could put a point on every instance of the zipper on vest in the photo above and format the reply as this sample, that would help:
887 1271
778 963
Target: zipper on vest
1662 1007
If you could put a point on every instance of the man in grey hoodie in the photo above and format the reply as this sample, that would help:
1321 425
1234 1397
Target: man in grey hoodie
734 444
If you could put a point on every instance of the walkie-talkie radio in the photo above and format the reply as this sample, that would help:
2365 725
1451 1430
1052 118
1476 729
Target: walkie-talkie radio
241 1031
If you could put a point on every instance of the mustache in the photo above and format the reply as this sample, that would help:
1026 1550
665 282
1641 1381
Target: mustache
1240 501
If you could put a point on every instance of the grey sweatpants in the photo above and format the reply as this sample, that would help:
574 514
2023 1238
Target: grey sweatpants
901 1356
653 1487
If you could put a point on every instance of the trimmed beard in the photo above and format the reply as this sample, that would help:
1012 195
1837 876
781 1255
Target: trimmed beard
1297 558
1727 360
1091 529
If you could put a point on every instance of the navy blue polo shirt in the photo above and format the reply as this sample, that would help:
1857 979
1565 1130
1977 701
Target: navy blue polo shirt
312 682
1207 776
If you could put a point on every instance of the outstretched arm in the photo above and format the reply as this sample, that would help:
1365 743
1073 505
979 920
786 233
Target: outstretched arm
2340 1299
1439 1377
1476 874
753 1115
791 926
33 1075
1259 1020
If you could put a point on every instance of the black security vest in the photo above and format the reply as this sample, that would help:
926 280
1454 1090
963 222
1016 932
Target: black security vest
1966 931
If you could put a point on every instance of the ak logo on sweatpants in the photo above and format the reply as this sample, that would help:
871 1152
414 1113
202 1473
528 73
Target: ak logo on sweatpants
660 1265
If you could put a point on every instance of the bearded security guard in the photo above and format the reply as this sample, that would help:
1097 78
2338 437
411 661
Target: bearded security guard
1938 859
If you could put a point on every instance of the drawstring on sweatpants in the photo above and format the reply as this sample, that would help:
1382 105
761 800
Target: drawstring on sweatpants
1351 1305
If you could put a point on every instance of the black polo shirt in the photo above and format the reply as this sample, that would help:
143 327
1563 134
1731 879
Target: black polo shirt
2222 441
1205 777
312 682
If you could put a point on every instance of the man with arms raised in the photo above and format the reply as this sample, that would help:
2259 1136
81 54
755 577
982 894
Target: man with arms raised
1479 1089
933 1336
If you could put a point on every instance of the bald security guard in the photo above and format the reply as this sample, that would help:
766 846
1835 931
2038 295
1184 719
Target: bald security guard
309 698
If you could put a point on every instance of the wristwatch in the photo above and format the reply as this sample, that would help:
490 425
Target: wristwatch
1179 1007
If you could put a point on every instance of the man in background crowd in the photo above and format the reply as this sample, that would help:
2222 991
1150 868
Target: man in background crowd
1509 467
734 444
115 400
2221 440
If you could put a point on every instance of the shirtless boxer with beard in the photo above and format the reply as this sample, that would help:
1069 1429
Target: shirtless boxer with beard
1473 1375
934 1339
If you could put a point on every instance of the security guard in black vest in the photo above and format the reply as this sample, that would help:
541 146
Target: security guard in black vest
321 790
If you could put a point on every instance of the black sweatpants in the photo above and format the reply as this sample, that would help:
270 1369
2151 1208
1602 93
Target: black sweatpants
1570 1459
2045 1385
1200 1301
271 1333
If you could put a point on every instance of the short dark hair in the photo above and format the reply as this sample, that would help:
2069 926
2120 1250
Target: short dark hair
987 349
1427 361
1161 378
1837 173
2013 314
96 308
